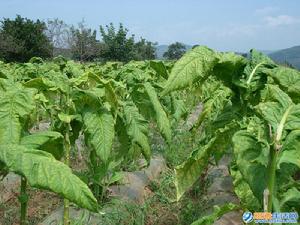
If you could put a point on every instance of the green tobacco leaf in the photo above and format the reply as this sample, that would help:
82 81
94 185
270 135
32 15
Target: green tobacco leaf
68 118
289 81
49 141
100 131
291 195
214 105
243 190
217 213
161 116
188 172
252 161
229 67
256 68
290 150
137 129
16 103
279 110
196 64
159 68
123 138
178 108
44 172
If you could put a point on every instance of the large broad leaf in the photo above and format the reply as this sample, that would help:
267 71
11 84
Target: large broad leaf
49 141
213 106
253 75
161 116
252 160
290 196
178 108
279 110
217 213
196 64
290 152
123 138
243 190
289 81
100 131
229 67
137 129
188 172
15 104
159 68
43 171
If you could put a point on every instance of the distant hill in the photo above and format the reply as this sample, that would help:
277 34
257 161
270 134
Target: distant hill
161 49
290 55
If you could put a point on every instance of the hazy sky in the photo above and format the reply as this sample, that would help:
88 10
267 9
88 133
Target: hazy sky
221 24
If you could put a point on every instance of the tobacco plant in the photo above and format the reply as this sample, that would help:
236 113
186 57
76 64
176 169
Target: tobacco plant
32 155
251 111
108 104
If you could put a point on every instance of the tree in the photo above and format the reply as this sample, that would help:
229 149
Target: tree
58 32
144 50
175 51
118 47
22 38
84 45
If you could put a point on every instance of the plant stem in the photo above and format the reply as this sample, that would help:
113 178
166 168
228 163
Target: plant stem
67 162
272 176
23 198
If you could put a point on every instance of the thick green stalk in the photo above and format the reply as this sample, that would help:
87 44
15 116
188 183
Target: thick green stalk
273 159
67 162
23 198
272 177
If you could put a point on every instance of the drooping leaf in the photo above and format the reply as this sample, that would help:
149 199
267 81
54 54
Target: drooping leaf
43 171
123 138
178 108
252 161
289 81
188 172
254 75
15 104
214 105
49 141
196 64
290 150
243 191
291 195
99 130
159 68
137 129
160 114
279 110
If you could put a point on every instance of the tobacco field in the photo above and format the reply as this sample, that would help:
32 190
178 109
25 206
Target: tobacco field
251 113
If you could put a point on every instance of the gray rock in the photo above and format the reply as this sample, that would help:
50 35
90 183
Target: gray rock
221 184
134 183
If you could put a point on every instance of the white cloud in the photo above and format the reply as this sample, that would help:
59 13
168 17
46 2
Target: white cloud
266 10
281 20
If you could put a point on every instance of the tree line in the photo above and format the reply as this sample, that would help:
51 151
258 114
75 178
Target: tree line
22 38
